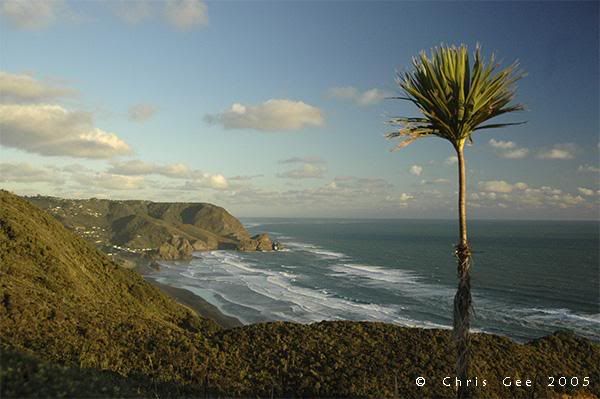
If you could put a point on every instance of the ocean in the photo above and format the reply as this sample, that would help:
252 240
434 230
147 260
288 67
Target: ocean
529 278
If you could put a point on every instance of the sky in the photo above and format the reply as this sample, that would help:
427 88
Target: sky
279 108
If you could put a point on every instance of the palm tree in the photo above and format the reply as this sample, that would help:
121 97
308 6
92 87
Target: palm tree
455 98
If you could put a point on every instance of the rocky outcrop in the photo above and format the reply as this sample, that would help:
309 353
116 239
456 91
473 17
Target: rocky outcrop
259 242
174 249
200 245
263 242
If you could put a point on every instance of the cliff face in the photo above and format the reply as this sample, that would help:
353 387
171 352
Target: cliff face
159 230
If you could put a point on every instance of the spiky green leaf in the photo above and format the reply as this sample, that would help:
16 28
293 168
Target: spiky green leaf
454 95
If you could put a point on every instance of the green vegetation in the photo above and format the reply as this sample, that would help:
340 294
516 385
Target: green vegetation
456 98
65 301
25 376
74 324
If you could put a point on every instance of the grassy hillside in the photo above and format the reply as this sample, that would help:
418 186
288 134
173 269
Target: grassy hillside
68 313
67 302
26 376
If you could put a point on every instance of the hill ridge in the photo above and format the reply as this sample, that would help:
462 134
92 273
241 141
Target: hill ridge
157 230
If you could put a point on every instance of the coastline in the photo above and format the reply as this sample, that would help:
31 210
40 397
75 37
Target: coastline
200 306
196 303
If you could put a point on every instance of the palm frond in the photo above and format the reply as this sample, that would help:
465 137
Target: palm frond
456 95
411 137
498 125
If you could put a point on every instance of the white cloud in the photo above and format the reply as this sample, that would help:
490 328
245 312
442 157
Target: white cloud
451 160
559 151
549 190
405 197
243 178
75 168
306 171
350 93
521 196
137 167
272 115
25 173
110 181
312 160
508 149
343 195
31 14
504 145
141 112
53 130
19 88
588 169
567 200
179 170
311 168
132 168
518 153
196 178
586 191
341 191
218 181
29 124
435 181
186 14
371 184
489 196
416 170
205 180
496 186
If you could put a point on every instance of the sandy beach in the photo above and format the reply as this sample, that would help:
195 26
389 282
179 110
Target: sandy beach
197 304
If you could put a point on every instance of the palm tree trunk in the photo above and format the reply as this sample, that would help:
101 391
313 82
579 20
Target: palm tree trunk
462 299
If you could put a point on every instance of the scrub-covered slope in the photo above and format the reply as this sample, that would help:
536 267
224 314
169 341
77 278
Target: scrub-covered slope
65 301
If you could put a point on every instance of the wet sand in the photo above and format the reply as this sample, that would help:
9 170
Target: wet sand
197 304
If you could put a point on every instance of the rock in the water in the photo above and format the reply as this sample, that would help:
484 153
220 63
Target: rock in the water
259 242
154 265
174 249
263 242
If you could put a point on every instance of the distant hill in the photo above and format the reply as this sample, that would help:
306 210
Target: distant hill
160 230
69 314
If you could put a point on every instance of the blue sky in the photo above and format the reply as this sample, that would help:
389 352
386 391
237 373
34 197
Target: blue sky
277 109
